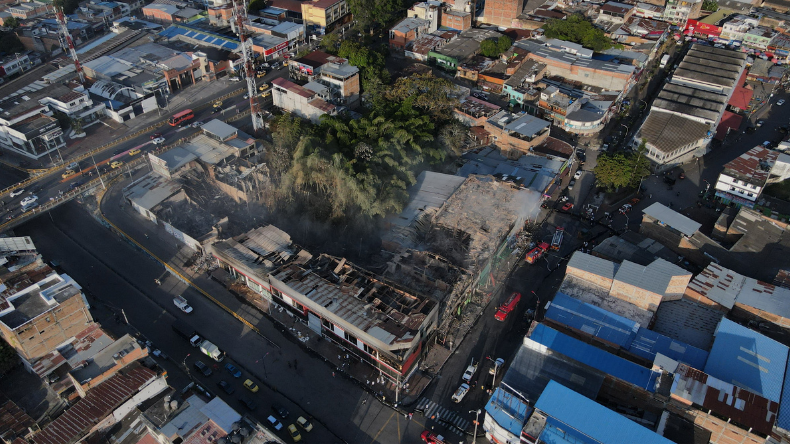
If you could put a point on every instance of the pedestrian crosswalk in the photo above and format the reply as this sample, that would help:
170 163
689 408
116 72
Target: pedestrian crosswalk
432 410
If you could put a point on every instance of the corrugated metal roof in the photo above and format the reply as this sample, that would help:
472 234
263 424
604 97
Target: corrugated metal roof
748 359
590 418
99 402
766 297
594 265
648 343
595 357
508 410
753 166
592 320
783 418
672 218
668 131
654 278
718 284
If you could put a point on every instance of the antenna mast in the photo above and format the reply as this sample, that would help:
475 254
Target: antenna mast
240 18
64 31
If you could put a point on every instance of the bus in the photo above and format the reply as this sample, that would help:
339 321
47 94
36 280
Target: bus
181 117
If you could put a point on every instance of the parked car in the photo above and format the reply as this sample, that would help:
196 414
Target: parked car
304 423
780 102
233 370
497 366
227 388
251 386
567 207
203 368
571 184
280 410
276 425
578 174
249 403
294 432
760 123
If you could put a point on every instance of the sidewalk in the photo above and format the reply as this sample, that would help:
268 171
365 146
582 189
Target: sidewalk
217 284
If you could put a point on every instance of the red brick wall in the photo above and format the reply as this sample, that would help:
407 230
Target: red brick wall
400 40
502 12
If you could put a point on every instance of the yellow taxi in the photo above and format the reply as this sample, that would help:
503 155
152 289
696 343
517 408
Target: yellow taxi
134 152
251 386
67 173
263 87
116 164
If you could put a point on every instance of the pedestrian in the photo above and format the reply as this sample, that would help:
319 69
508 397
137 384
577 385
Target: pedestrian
410 415
364 401
333 374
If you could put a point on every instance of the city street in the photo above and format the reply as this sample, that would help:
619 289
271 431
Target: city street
121 276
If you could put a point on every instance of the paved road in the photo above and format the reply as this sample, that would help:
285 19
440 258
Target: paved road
120 275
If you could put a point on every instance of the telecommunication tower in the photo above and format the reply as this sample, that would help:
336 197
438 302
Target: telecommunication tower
64 31
240 19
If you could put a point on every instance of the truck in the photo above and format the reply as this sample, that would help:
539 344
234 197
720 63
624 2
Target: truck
187 332
664 60
212 351
470 371
537 253
181 303
461 392
556 240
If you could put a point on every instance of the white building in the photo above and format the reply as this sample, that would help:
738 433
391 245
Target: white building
735 28
745 177
299 100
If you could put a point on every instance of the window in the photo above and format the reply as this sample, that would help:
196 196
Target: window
750 194
327 325
368 349
350 338
732 188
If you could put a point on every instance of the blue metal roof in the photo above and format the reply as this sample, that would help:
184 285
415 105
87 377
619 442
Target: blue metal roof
592 320
748 359
783 417
204 36
647 343
589 421
508 410
595 357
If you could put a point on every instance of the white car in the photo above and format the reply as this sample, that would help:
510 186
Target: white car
578 174
18 192
197 124
29 200
235 79
780 102
159 140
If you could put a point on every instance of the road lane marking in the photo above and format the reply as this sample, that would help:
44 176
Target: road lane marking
382 428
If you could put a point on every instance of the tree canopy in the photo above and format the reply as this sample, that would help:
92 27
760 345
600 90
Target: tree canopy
11 22
710 5
620 170
256 5
369 62
9 43
577 29
495 47
373 13
365 165
69 6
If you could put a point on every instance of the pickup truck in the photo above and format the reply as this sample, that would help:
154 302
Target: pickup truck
470 371
461 392
182 304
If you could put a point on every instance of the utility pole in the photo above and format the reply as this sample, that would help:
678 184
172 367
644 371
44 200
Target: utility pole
64 31
477 415
240 18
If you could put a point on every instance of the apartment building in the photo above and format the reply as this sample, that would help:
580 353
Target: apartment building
299 100
745 177
324 15
30 9
678 12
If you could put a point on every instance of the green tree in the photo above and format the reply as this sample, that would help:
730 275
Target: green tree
614 171
287 130
503 43
11 22
710 5
488 48
10 44
76 125
8 357
257 5
576 28
329 42
429 94
370 14
370 63
69 6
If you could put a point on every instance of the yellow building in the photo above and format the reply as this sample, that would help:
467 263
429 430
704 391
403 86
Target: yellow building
324 15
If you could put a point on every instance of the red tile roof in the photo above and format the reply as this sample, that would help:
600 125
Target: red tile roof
752 166
743 94
728 120
97 404
290 5
293 87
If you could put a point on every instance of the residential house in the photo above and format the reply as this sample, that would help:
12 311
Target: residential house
406 31
678 12
615 12
299 100
41 310
516 134
426 11
456 20
744 178
461 48
501 12
758 37
649 11
30 9
736 26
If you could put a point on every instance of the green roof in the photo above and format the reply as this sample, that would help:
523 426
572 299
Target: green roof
716 16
